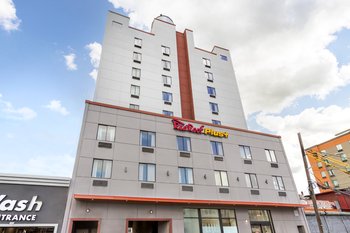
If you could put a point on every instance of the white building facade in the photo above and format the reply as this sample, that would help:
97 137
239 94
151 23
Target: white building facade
164 146
164 71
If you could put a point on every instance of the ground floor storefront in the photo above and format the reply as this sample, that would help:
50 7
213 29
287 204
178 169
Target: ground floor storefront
116 217
32 204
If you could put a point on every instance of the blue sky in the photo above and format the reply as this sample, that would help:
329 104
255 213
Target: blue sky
33 73
292 68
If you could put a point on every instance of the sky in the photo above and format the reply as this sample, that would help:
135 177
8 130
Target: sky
291 59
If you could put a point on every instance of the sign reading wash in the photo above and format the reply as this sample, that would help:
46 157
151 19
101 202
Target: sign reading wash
179 125
7 205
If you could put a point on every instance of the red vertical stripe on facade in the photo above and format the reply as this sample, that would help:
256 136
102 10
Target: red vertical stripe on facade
184 77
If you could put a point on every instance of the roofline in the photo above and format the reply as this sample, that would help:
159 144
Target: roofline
150 33
215 46
157 200
113 12
205 51
34 180
164 21
183 119
311 147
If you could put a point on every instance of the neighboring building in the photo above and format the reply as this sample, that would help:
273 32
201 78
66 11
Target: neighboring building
333 209
341 199
32 204
330 164
157 159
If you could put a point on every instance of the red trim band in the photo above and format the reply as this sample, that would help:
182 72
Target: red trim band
181 201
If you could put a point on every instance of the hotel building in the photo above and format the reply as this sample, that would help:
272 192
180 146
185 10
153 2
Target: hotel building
164 145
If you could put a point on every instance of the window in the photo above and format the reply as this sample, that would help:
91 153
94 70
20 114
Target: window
221 178
136 73
206 62
101 168
137 57
214 108
326 184
323 174
271 156
216 148
245 152
223 57
106 133
167 97
251 180
278 182
210 221
135 91
343 157
134 106
211 91
185 175
148 139
209 76
183 143
216 122
147 172
260 221
166 65
335 183
319 164
138 42
165 50
168 113
331 172
327 162
166 80
339 147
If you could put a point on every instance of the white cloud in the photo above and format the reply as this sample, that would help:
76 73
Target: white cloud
93 74
7 110
279 48
95 55
316 125
70 59
56 106
8 17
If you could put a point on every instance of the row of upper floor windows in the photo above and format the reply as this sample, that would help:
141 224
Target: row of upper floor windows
138 44
148 139
136 90
167 97
102 168
169 113
137 56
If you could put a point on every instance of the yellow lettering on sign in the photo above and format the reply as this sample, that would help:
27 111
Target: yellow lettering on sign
215 133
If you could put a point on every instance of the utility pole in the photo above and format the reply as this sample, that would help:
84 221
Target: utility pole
311 188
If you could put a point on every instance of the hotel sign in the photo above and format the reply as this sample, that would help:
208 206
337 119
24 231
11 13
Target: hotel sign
181 126
8 207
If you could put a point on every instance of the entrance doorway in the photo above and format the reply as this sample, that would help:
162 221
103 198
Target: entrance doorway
84 227
149 226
